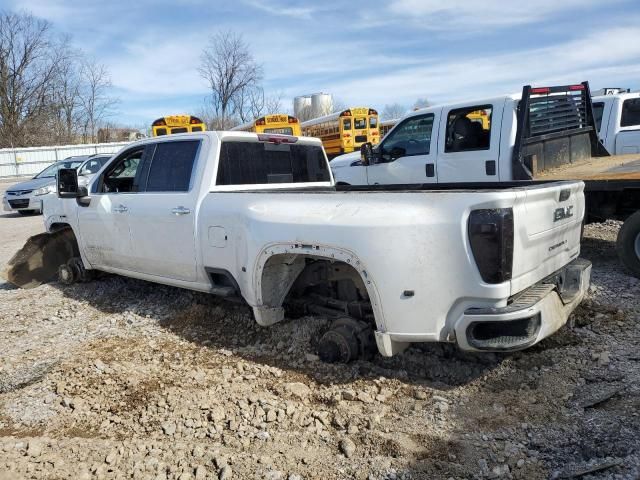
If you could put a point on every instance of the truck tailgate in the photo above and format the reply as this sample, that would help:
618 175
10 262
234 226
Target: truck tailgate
547 229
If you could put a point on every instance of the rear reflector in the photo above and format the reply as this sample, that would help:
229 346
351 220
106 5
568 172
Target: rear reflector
540 90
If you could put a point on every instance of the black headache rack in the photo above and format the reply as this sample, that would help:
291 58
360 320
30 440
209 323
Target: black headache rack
556 126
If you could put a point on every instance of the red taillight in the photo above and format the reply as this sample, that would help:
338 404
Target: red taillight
576 87
159 123
293 120
261 121
491 238
540 90
277 139
372 112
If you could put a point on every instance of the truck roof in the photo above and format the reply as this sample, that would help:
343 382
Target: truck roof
622 96
219 135
466 103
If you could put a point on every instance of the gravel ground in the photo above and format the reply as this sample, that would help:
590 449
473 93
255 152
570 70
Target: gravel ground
120 378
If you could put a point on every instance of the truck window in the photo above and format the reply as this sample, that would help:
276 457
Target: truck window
630 113
171 166
468 129
598 108
411 137
249 163
120 177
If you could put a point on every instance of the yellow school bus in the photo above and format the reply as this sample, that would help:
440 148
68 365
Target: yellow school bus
387 125
344 132
177 124
481 117
276 123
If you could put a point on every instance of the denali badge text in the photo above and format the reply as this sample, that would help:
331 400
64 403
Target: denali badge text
562 213
557 245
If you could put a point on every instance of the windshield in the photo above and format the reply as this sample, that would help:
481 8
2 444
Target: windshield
93 165
51 170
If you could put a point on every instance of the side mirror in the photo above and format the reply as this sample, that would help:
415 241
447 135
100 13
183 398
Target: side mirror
67 180
366 154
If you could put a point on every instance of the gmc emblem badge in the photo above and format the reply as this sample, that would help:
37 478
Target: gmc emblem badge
562 213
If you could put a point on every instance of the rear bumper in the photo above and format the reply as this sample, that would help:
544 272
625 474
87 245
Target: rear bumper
532 315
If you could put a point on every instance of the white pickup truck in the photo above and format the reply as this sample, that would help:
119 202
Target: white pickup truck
491 268
546 133
617 117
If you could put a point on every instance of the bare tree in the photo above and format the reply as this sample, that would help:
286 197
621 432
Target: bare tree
66 97
253 103
95 101
231 72
273 103
394 110
30 57
421 102
338 105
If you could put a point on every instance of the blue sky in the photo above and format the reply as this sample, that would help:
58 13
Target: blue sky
365 53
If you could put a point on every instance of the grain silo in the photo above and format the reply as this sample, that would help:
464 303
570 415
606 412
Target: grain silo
321 104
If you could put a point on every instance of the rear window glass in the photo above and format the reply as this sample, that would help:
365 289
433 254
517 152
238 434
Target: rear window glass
248 163
179 130
598 108
171 166
360 123
630 113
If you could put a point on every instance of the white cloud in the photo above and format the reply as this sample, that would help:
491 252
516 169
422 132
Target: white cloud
279 9
439 14
158 64
606 57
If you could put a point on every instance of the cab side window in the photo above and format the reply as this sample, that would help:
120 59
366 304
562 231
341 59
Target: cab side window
468 129
411 137
630 113
120 177
171 166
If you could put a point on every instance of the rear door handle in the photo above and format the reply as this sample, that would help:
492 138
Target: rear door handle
120 209
181 211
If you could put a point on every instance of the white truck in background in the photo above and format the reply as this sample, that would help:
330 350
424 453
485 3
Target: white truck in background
546 133
257 217
617 117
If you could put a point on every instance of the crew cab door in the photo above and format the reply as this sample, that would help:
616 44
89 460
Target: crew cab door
162 215
408 152
104 224
628 138
469 143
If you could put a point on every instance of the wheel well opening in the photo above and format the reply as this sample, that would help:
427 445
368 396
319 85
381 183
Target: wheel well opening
307 284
